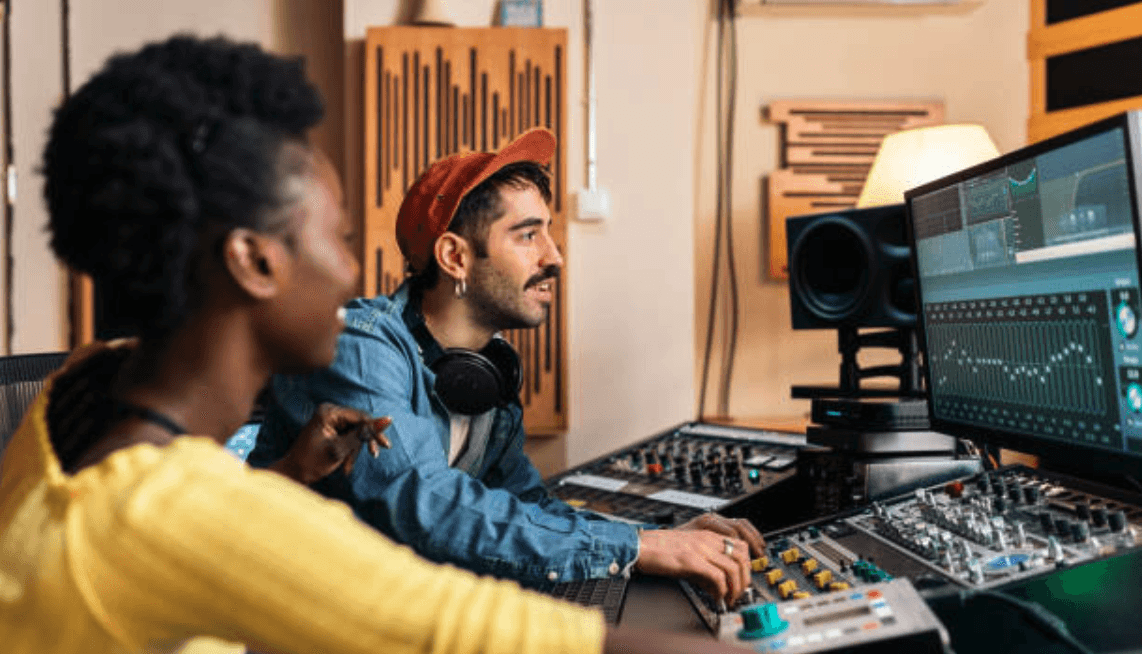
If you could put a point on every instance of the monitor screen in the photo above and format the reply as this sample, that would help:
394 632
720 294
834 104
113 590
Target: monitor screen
1028 287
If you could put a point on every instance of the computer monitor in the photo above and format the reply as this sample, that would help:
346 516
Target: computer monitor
1028 295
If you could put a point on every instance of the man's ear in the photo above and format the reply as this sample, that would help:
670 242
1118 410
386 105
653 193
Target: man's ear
258 264
453 255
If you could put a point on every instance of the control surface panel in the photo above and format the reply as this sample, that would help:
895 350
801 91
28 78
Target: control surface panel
880 613
681 473
984 532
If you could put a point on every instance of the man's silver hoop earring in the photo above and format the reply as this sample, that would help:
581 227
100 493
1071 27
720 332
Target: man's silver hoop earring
461 288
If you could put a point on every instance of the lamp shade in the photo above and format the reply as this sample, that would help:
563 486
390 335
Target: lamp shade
913 157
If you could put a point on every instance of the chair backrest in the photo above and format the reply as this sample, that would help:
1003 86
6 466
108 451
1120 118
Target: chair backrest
21 379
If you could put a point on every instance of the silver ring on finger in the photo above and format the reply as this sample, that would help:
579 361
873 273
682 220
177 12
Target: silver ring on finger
729 546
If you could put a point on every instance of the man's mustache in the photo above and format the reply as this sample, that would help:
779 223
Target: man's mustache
550 272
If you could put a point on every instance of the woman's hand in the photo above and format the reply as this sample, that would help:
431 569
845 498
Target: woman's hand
330 440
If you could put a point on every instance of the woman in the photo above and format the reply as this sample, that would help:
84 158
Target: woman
180 179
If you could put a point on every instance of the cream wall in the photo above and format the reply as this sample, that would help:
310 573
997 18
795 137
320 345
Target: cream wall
98 28
38 285
975 61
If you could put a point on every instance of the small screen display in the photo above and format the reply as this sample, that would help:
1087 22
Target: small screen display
858 612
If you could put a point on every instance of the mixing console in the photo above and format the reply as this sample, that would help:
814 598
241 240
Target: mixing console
983 532
681 473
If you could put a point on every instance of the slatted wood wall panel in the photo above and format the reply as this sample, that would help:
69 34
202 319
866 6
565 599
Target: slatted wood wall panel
431 92
1076 36
827 148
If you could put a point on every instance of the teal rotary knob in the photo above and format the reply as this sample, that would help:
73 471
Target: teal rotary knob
761 621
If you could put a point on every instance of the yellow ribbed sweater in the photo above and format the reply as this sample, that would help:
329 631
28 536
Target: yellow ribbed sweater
154 547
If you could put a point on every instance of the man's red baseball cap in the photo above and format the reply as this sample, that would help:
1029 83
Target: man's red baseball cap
433 198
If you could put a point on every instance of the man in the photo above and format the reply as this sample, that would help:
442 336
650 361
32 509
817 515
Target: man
456 485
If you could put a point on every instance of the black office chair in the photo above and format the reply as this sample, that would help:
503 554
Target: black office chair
21 379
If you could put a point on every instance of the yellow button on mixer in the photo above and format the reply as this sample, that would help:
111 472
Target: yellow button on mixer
786 588
809 566
839 585
774 576
790 555
802 594
759 564
823 578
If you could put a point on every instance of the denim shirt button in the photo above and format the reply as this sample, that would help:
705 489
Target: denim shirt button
552 576
614 568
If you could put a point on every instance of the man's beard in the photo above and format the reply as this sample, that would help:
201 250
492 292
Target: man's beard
499 304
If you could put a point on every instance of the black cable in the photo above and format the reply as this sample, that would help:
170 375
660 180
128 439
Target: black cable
711 314
10 159
730 348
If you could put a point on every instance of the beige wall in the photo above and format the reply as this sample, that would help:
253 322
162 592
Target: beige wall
38 296
975 61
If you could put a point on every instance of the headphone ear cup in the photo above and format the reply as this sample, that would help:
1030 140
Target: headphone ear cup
504 357
467 382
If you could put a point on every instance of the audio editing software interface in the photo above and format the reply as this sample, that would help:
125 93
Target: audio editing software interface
1030 286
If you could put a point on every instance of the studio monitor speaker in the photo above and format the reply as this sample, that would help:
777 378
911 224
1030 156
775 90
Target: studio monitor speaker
851 268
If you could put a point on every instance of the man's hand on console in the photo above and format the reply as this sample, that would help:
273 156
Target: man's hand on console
711 551
331 440
733 527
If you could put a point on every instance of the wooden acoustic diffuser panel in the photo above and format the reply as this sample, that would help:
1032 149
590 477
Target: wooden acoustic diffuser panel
434 91
1083 56
827 148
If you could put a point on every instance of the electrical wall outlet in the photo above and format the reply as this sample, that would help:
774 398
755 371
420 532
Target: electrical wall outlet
592 205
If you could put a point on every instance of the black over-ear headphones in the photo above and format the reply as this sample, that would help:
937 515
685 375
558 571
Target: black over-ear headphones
469 382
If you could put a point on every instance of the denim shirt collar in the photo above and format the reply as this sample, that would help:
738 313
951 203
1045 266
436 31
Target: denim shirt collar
430 350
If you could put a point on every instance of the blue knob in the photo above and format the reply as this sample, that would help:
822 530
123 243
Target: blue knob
761 622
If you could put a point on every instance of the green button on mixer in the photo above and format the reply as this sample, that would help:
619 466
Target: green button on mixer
761 622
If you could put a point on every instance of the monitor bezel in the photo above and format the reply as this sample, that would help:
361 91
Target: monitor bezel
1079 458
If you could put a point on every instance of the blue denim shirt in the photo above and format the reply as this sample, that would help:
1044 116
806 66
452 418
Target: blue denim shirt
497 518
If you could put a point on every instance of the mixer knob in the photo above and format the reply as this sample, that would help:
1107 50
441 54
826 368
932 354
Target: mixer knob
1080 532
1015 493
983 482
1033 493
1046 522
1098 516
948 562
761 622
1117 521
1020 535
1062 527
1054 549
1083 511
1000 504
1000 540
999 487
975 570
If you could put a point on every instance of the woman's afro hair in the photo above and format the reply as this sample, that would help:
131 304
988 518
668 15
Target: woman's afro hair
162 153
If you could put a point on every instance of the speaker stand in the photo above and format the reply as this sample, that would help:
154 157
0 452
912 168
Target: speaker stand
850 341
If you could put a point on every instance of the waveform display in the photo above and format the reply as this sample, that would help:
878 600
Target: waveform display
1025 188
986 198
1042 364
1045 365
